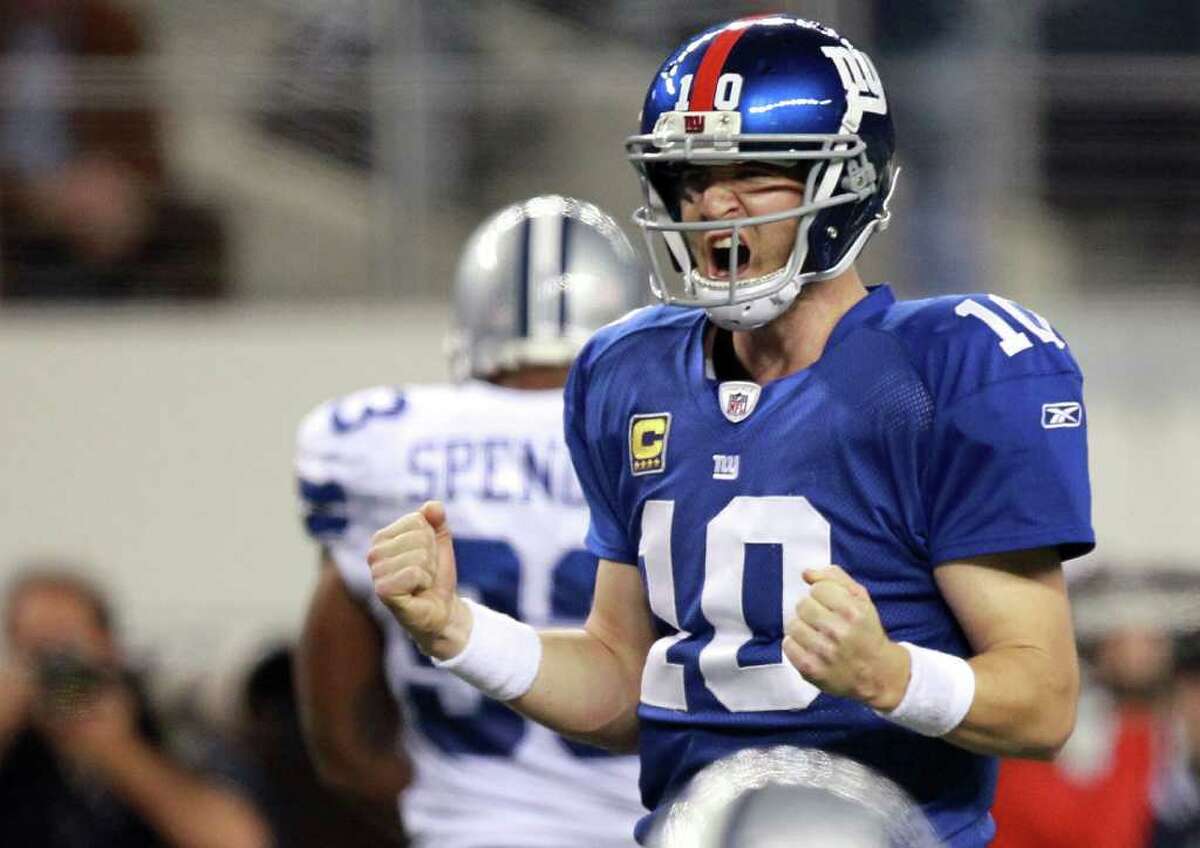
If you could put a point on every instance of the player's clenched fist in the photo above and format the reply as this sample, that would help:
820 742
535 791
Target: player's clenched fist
836 641
412 567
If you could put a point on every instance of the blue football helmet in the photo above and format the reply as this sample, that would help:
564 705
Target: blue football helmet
780 90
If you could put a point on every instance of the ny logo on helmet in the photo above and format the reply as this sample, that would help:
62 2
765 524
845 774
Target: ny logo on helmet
864 90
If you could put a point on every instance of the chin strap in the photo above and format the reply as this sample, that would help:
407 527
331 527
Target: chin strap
755 313
885 212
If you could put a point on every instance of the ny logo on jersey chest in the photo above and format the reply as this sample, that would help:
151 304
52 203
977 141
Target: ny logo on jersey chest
725 466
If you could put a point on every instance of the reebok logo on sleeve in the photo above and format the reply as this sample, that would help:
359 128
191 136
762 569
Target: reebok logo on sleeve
1059 415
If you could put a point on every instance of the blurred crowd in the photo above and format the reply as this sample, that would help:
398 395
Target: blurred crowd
92 753
89 759
1130 774
88 208
93 204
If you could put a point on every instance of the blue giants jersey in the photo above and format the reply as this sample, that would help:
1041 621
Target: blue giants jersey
928 431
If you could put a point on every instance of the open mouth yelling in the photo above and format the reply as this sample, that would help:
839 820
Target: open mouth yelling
721 260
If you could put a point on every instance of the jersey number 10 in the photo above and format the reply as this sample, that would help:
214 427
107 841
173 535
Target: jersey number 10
1012 341
742 665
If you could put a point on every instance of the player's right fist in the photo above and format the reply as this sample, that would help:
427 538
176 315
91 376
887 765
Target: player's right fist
412 567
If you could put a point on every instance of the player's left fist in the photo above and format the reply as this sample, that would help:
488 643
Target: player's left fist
837 642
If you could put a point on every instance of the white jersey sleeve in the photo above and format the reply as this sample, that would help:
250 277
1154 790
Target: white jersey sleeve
333 473
497 459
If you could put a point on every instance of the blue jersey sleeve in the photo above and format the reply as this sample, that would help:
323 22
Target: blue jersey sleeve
1007 468
1008 471
607 535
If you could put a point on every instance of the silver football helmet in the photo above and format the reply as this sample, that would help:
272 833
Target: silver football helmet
783 797
535 280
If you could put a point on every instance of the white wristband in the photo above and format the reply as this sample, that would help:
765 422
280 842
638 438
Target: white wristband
940 690
502 655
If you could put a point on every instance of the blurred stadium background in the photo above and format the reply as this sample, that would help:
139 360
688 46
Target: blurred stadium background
339 150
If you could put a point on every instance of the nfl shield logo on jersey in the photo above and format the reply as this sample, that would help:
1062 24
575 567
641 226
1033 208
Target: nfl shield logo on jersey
738 399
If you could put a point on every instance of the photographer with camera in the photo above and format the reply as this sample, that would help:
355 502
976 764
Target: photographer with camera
80 760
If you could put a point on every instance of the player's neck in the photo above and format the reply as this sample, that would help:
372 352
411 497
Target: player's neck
797 338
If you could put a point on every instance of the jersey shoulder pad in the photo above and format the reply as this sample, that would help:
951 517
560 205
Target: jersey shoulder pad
963 343
640 325
334 429
333 448
614 351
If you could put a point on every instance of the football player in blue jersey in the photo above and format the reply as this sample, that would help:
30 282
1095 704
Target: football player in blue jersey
825 517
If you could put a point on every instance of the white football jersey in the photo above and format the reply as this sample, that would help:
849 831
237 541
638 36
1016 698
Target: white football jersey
485 776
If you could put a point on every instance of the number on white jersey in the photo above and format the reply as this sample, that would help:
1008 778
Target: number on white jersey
354 412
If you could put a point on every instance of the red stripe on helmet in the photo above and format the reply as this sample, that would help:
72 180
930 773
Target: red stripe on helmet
704 87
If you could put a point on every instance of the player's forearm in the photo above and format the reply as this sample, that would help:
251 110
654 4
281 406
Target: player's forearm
351 732
369 774
584 689
1024 704
585 686
350 721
